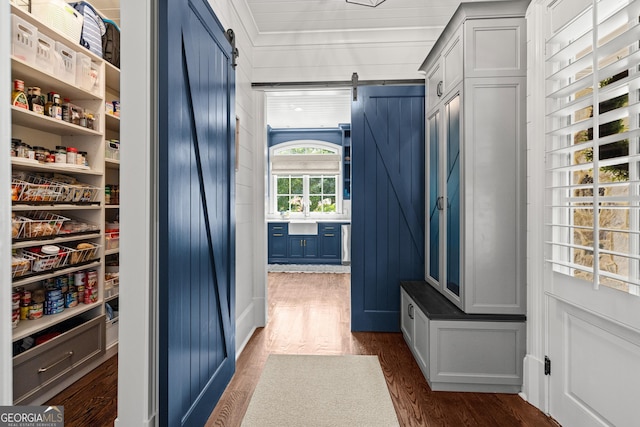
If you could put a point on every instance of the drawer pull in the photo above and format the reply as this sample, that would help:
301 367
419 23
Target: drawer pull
329 235
276 228
277 234
62 359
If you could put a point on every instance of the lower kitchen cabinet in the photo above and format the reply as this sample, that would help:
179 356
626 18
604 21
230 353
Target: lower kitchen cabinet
330 241
302 246
458 351
323 248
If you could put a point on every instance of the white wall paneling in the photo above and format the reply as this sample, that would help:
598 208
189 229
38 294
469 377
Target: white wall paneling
6 363
137 353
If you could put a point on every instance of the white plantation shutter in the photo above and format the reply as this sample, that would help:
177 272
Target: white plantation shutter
592 143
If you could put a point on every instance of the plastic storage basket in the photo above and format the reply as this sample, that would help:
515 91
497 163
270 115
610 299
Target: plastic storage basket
87 73
23 40
45 54
65 68
60 16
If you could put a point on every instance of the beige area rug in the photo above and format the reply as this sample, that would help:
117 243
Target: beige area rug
301 390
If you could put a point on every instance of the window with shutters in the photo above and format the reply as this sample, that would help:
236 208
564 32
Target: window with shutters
593 146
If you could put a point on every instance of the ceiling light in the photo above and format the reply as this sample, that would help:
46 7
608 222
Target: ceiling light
370 3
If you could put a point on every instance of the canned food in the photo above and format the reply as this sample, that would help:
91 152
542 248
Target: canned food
24 312
25 298
50 311
90 295
80 289
63 283
71 299
80 278
54 304
15 318
53 295
35 311
92 278
15 300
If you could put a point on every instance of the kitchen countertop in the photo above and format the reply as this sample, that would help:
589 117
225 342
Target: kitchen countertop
346 220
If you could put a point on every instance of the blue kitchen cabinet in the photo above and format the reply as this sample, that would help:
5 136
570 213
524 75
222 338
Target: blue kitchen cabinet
323 248
278 239
329 241
303 247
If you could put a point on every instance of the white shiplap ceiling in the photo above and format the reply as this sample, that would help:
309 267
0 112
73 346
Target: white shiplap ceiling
282 16
289 17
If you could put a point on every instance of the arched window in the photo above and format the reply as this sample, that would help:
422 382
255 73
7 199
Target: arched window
305 178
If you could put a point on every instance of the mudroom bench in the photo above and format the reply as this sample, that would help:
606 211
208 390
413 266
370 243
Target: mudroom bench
457 351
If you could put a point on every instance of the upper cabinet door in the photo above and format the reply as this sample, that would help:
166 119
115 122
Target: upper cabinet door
495 47
452 63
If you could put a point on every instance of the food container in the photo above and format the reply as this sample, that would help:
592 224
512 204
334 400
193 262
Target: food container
61 154
35 311
72 153
71 299
15 300
15 318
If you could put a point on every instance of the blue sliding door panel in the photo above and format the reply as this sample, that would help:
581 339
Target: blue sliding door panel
196 229
387 137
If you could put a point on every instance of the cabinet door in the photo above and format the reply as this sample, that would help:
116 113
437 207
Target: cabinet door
277 241
421 340
406 317
277 245
432 250
329 241
452 172
296 248
310 245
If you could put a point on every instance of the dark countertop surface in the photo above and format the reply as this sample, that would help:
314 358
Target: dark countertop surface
437 307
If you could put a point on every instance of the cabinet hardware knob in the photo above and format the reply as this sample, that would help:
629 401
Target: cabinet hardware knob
439 203
439 89
410 311
62 359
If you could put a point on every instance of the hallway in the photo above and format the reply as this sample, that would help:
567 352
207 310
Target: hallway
310 314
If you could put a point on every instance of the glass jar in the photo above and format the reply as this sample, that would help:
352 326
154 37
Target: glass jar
15 142
85 159
40 154
72 153
61 154
21 149
31 154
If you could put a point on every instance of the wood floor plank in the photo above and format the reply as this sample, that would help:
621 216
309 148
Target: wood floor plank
310 314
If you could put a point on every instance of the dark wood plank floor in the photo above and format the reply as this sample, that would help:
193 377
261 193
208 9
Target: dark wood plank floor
309 314
91 401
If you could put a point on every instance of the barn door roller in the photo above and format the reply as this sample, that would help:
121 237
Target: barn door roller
231 37
354 85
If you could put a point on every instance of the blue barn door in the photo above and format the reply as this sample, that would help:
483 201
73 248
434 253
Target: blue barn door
388 202
196 228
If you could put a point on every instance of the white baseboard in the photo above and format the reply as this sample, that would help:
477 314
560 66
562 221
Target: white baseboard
533 387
